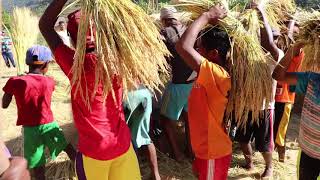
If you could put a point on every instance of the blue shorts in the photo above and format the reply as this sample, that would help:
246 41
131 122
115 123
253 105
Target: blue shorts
138 109
174 100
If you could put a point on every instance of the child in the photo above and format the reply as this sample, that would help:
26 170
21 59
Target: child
262 131
105 151
33 94
138 109
208 98
307 83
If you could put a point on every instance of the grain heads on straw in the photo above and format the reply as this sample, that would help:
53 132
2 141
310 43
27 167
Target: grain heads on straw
250 74
128 45
24 34
310 35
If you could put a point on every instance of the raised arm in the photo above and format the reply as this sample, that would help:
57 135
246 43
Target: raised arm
185 47
280 72
291 26
267 40
47 22
6 100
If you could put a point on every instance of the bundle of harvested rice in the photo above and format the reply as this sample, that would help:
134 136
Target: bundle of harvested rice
310 35
250 74
128 46
279 11
251 22
24 34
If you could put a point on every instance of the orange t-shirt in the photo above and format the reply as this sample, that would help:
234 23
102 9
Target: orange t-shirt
207 104
283 94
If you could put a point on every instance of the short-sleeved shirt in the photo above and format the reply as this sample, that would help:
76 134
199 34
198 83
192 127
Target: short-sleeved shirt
33 94
309 134
181 72
207 103
5 45
283 93
103 132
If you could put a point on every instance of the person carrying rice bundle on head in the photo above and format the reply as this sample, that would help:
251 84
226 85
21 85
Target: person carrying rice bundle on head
262 130
33 93
208 98
285 98
116 44
105 151
306 83
175 97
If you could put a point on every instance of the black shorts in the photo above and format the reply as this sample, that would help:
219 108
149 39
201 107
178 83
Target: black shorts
262 132
309 168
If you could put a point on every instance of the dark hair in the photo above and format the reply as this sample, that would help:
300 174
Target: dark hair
61 22
214 38
38 66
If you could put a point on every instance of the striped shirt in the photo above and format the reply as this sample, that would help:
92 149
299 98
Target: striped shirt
309 135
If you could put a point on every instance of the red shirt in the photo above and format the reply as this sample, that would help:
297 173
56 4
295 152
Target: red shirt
33 94
103 132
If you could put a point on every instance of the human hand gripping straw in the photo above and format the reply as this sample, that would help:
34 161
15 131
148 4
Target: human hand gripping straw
216 13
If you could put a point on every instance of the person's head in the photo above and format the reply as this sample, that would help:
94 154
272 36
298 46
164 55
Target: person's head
38 58
72 27
214 45
168 16
62 25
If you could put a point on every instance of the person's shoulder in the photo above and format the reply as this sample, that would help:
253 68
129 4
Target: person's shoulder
17 78
214 67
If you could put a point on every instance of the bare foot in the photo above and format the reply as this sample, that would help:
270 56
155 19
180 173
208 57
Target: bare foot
268 172
282 153
248 166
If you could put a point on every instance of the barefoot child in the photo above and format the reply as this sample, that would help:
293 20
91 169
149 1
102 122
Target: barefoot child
105 151
208 98
33 94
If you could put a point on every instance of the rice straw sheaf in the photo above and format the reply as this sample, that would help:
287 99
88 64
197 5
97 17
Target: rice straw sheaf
250 74
128 46
24 34
310 35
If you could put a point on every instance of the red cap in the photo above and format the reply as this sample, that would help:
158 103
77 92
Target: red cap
73 24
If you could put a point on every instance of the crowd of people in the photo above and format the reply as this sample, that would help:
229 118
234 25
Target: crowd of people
112 130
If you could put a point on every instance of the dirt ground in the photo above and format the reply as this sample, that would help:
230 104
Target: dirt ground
169 169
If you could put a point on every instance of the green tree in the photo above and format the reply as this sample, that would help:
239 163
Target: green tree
309 4
6 19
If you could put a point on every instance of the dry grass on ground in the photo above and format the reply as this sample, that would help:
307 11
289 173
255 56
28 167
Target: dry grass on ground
169 169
